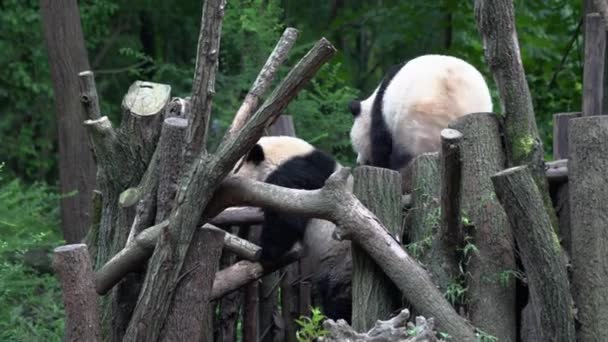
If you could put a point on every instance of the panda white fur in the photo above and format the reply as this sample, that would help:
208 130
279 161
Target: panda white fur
414 102
294 163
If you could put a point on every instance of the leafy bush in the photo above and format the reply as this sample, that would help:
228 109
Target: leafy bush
30 303
310 327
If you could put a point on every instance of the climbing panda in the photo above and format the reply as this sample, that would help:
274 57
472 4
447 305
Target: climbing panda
416 100
294 163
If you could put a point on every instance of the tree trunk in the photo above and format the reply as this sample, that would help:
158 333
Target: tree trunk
374 295
67 57
589 207
496 24
491 283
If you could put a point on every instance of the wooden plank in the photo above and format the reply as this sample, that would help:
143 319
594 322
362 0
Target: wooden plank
593 71
560 134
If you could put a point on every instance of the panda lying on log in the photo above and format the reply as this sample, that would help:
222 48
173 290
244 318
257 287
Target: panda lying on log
293 163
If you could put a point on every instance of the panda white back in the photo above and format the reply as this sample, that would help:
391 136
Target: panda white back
428 93
406 113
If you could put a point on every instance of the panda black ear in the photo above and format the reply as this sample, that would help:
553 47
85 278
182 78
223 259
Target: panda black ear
355 107
256 155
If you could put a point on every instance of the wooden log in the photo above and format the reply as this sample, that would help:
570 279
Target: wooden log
251 303
190 314
491 301
282 126
560 133
264 80
238 216
75 272
134 256
593 69
425 223
143 106
395 329
289 301
203 83
588 207
170 164
230 304
88 95
450 190
374 295
244 272
540 253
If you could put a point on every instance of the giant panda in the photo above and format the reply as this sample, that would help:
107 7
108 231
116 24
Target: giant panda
405 114
294 163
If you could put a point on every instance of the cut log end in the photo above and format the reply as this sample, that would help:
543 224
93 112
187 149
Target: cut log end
450 135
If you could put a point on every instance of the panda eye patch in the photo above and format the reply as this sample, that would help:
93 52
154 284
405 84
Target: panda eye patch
355 108
256 155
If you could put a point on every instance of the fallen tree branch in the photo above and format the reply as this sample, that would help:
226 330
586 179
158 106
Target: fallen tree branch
395 329
262 82
134 255
238 216
243 272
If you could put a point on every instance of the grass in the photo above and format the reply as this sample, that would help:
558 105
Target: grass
30 302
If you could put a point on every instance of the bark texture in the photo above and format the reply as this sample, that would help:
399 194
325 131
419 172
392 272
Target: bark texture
190 315
491 294
67 57
203 83
593 71
374 295
496 24
540 252
589 213
395 329
73 267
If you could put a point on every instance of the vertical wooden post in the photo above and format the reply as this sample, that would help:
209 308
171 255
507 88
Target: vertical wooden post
251 322
374 295
560 134
229 304
67 57
491 281
190 313
73 266
587 170
593 72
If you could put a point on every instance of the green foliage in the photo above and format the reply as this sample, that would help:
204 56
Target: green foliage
30 303
321 113
456 292
310 327
482 336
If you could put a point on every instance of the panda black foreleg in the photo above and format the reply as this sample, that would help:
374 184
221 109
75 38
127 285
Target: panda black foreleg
279 233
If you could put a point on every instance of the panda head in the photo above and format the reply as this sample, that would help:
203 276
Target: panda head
360 131
268 154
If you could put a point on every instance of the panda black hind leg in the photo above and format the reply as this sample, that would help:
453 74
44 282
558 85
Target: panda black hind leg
279 233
